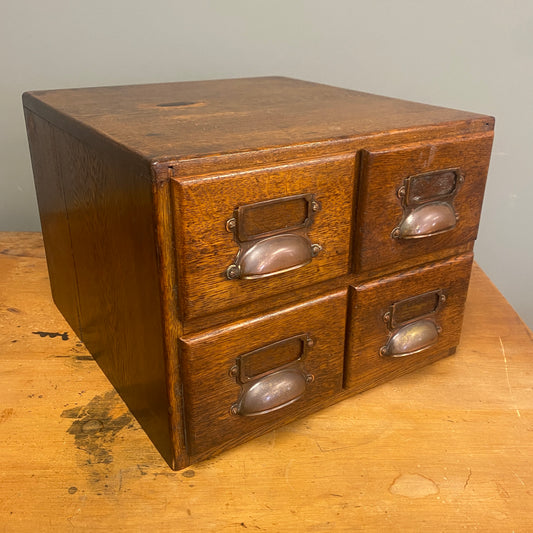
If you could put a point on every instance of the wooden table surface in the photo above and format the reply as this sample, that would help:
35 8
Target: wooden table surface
447 448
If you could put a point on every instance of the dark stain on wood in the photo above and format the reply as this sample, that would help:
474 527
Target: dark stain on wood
21 250
181 104
75 356
73 412
6 414
142 469
52 335
97 425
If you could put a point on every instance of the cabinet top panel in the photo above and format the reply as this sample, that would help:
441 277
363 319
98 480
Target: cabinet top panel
186 120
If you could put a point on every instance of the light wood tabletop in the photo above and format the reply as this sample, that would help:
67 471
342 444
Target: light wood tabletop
446 448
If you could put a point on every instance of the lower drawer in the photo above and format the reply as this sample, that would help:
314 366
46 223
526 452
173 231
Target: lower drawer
403 322
246 378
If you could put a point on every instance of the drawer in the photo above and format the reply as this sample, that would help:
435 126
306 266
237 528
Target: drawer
249 377
401 323
418 199
246 235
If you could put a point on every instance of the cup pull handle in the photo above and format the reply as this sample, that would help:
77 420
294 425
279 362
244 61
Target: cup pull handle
273 255
427 202
426 220
411 338
271 392
273 236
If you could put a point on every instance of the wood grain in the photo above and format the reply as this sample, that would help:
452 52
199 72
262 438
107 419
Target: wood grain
171 325
54 217
367 331
208 357
112 241
309 292
380 210
446 447
205 248
233 116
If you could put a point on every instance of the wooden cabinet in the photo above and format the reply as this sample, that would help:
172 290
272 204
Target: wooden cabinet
239 253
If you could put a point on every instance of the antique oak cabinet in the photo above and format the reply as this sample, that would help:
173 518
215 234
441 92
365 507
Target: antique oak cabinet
236 254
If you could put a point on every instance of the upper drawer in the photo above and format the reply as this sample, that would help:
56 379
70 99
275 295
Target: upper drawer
247 235
418 199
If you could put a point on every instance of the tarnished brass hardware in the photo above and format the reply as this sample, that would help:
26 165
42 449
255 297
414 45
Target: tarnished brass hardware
425 221
414 307
271 217
315 249
395 233
273 255
411 338
258 363
412 323
231 224
427 203
233 272
272 392
272 377
272 236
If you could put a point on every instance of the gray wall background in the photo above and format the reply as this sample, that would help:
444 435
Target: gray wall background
475 55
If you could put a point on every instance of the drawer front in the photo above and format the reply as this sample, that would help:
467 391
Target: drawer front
247 378
247 235
401 323
419 199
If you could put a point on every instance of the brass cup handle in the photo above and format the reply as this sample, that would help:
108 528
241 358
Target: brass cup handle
273 255
427 220
273 236
272 392
411 338
427 201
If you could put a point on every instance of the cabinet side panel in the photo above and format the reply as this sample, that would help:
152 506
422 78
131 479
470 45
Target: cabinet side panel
110 212
54 217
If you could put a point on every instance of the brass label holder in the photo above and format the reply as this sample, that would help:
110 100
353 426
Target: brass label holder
427 203
273 236
272 377
412 324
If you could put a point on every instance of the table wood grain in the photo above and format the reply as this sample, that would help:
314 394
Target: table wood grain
447 448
